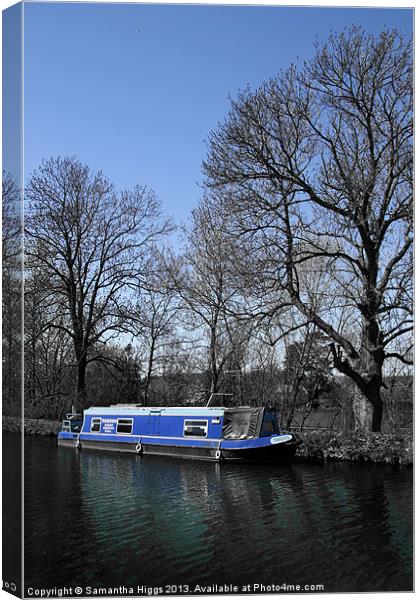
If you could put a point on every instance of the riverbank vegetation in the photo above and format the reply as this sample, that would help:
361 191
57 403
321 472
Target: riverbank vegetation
388 448
317 446
292 282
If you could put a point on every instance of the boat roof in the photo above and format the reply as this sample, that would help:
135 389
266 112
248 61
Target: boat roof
188 411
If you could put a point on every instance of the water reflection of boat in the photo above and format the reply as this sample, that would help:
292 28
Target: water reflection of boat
209 433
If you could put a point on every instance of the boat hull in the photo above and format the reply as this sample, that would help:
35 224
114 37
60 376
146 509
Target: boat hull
269 453
278 453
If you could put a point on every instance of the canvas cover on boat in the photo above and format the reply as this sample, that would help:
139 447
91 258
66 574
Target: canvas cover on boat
242 423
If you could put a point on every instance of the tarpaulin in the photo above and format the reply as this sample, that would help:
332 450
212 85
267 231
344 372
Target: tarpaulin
242 423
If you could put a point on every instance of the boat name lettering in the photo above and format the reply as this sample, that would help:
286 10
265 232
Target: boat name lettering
280 438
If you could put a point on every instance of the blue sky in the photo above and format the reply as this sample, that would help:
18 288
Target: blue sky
134 90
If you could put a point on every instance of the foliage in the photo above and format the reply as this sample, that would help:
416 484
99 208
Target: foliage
389 448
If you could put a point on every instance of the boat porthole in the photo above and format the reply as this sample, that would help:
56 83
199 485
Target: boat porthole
138 448
218 455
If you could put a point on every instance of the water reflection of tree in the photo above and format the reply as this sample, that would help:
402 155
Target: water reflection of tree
139 508
328 523
151 521
347 511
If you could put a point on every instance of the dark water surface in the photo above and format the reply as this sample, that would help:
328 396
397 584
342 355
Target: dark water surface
103 519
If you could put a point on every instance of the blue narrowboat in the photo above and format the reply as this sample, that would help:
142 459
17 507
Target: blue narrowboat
209 433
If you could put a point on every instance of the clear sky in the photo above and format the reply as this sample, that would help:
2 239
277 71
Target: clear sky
134 90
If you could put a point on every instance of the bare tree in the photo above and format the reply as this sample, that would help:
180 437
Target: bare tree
307 372
49 357
317 163
11 294
94 247
202 279
116 375
155 314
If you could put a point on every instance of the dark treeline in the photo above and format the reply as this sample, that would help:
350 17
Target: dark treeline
302 396
293 282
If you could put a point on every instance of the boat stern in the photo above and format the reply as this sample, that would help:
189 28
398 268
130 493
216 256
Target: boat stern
277 448
70 430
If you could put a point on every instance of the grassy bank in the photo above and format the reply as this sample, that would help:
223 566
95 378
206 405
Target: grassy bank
32 426
388 448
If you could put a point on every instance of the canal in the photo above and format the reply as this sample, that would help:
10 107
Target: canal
102 519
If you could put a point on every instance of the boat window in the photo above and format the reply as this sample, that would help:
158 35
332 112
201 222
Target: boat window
66 426
124 425
75 426
269 425
196 428
95 424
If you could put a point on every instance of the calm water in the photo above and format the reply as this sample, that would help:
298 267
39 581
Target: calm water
101 519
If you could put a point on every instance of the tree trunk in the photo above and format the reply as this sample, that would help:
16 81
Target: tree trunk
214 371
149 372
368 408
347 423
366 372
377 409
363 413
80 400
